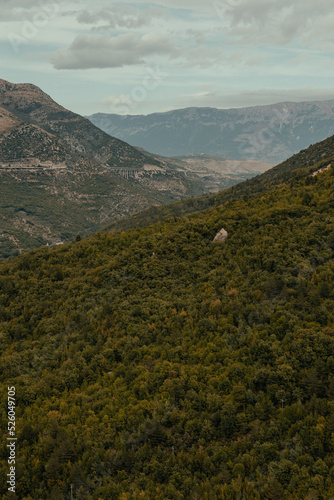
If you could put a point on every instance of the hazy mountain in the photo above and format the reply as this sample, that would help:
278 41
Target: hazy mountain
265 133
155 364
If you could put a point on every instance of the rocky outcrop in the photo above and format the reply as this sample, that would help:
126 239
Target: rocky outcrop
221 236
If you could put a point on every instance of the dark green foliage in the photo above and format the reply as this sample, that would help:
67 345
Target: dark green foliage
155 364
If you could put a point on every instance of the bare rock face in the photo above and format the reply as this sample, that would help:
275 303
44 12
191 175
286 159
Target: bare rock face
220 236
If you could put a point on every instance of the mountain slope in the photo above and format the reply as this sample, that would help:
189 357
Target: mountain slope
265 133
300 165
61 176
30 104
156 364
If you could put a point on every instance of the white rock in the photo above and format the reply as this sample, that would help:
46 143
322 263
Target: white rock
220 236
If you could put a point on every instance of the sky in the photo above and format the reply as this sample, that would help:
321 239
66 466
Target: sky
140 58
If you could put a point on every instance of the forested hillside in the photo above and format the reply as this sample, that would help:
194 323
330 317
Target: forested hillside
154 364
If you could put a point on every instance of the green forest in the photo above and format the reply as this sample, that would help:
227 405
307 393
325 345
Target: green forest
153 364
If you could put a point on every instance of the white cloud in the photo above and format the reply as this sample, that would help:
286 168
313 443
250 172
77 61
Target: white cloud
27 10
101 51
242 49
279 22
200 94
121 16
244 98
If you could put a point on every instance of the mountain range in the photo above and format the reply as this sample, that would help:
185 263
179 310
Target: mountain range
154 363
61 176
269 133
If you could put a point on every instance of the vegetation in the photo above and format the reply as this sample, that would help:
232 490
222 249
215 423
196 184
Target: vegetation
296 167
39 206
60 175
155 364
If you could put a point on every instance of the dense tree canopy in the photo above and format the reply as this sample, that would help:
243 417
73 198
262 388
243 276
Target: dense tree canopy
155 364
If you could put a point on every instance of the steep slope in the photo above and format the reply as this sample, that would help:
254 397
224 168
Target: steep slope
24 145
155 364
30 104
265 133
300 165
61 176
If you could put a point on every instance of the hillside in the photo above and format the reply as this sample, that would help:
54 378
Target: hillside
270 133
305 162
31 105
61 176
155 364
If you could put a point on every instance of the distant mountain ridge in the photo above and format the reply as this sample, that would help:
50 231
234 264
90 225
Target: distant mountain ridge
269 133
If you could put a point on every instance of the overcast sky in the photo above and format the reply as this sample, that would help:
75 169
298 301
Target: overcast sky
139 58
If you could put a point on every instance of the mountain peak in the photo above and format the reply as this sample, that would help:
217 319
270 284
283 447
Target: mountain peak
6 86
21 97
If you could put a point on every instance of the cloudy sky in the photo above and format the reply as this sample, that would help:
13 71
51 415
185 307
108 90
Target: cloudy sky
138 58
